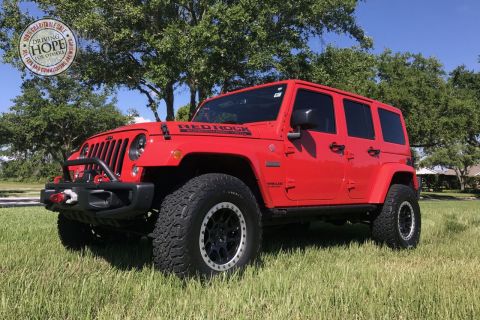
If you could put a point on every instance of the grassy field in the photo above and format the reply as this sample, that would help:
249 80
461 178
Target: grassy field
329 273
19 189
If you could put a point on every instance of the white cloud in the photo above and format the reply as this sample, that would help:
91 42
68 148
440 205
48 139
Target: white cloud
141 120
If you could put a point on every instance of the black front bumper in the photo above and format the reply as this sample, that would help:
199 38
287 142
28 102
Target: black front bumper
106 200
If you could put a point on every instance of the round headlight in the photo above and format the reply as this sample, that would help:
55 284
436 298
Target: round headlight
137 147
84 151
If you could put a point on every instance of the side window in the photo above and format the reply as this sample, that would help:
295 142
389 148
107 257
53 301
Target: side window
323 104
392 130
359 120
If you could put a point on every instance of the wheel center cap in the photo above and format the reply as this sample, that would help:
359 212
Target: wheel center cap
219 235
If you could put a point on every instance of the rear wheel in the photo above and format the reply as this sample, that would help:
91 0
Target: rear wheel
398 224
209 225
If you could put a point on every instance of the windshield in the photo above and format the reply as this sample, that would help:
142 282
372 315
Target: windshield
256 105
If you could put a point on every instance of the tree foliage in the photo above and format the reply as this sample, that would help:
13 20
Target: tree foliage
459 149
53 116
183 113
349 69
459 157
416 85
209 45
36 168
465 88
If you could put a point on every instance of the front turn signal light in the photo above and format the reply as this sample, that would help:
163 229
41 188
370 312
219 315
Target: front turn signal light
176 154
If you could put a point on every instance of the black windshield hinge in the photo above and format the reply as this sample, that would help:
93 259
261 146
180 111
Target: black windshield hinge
166 133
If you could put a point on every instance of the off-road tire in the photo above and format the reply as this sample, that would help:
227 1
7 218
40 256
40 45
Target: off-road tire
387 228
176 237
74 235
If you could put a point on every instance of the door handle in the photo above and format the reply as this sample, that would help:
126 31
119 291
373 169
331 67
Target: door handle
373 152
337 147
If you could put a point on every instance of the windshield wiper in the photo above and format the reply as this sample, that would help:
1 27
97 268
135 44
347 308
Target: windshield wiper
231 122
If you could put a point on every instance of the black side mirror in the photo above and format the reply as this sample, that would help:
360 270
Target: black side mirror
301 119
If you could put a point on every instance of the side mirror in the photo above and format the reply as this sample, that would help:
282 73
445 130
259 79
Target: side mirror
301 119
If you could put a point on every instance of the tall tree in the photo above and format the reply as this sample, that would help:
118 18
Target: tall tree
209 45
459 149
415 84
53 116
349 69
457 156
465 85
183 113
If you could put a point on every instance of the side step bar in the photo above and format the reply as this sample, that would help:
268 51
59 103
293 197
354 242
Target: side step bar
358 211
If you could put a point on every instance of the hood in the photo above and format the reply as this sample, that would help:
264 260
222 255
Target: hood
264 130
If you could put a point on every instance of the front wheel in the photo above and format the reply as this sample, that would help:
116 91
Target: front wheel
211 224
398 224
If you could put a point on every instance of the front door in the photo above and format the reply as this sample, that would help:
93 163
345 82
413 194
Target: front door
361 149
315 170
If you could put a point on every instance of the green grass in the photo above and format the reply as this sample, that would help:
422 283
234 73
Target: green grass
20 189
329 273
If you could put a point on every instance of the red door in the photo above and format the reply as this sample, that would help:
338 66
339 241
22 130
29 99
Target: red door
314 169
361 149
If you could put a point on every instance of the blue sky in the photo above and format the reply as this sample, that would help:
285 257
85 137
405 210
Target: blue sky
448 30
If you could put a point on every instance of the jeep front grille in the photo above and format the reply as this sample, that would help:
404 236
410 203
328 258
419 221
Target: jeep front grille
111 152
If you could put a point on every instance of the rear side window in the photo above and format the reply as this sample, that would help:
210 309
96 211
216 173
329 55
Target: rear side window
323 104
392 130
359 120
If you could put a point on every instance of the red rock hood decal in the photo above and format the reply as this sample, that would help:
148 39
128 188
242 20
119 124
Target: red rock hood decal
215 129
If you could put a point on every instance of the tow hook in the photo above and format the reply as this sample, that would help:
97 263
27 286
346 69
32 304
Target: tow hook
67 196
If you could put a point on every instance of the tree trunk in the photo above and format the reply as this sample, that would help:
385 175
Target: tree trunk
151 103
226 85
461 178
202 93
169 98
155 114
193 100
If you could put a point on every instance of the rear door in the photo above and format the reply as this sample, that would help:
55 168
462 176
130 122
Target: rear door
314 170
362 151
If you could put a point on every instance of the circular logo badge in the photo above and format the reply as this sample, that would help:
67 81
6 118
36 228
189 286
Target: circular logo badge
48 47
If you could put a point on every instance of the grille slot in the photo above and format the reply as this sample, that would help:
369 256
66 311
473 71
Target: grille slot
113 162
104 151
98 154
121 156
91 153
111 152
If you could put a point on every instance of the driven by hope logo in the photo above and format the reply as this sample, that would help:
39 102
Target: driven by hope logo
48 47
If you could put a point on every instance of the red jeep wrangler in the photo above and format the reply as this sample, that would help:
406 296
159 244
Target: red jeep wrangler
284 152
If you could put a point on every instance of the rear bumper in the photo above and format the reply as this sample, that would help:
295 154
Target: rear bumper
106 200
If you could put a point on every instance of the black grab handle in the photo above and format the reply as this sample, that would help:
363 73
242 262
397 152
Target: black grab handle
373 152
337 147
